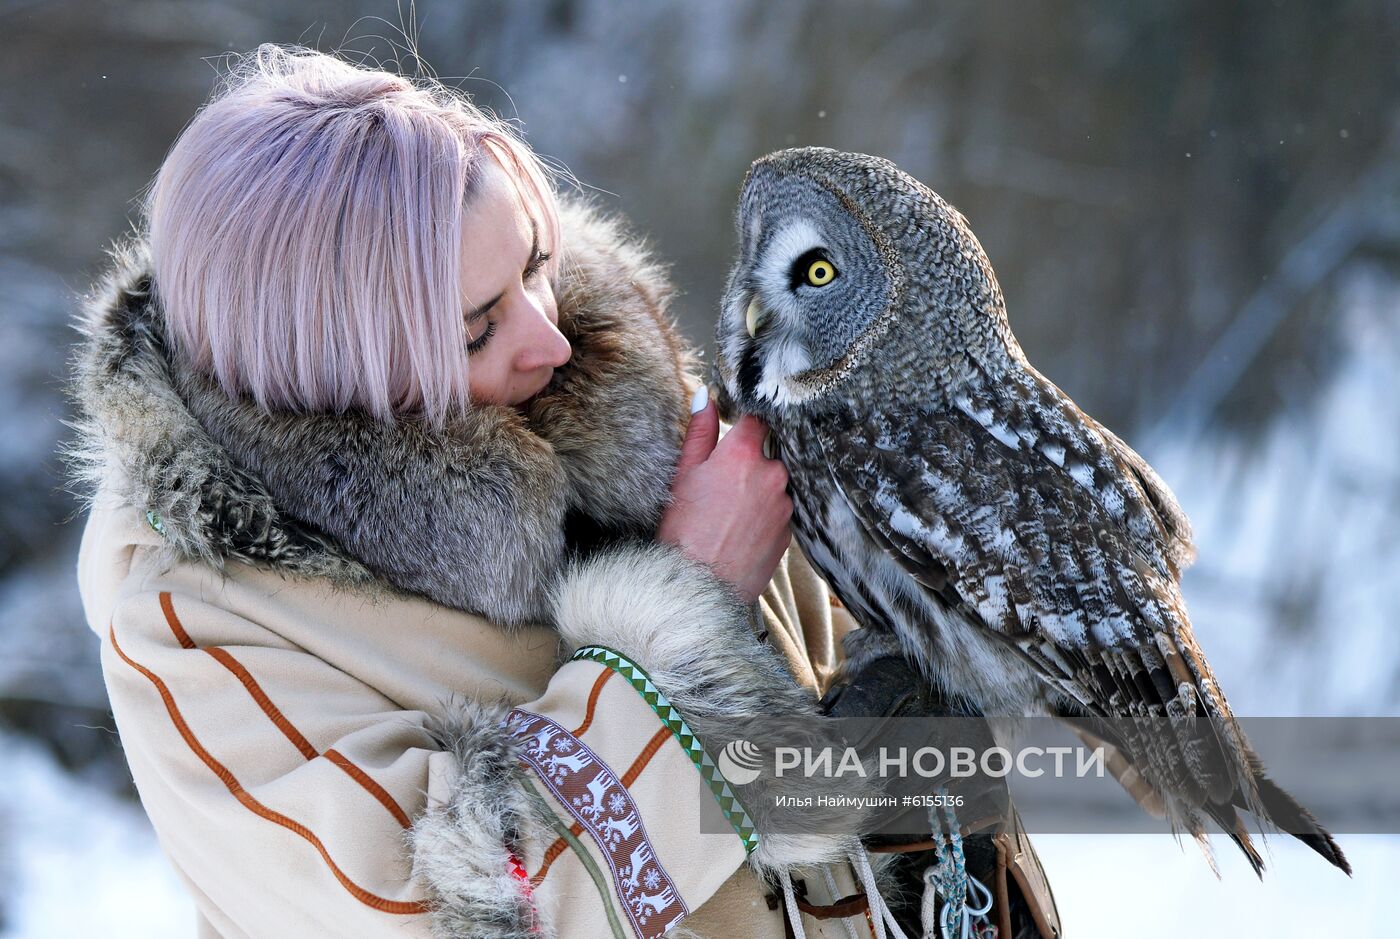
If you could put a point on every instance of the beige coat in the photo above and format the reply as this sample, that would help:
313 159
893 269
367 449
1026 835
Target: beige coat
338 654
277 734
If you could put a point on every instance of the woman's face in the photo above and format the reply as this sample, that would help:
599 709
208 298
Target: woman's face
512 332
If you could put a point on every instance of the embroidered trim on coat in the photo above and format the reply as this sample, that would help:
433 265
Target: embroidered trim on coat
628 778
590 792
719 786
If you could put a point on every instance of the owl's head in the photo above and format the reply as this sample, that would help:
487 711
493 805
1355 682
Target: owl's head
846 263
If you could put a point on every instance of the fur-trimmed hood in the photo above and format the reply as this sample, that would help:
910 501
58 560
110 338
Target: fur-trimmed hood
481 516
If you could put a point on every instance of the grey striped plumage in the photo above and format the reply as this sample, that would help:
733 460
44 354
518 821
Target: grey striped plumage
958 502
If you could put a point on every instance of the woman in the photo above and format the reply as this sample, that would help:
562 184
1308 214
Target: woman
412 582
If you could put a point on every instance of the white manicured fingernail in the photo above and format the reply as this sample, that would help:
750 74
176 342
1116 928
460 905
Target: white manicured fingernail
702 398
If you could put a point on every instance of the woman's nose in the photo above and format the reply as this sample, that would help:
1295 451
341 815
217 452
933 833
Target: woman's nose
546 347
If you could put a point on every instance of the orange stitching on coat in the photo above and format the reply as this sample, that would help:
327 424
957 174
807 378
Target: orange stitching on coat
643 758
593 701
223 657
274 714
628 778
236 789
168 609
370 786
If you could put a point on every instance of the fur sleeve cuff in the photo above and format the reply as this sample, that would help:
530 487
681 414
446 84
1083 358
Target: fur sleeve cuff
692 634
459 848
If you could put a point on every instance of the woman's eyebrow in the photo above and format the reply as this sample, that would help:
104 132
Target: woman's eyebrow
478 312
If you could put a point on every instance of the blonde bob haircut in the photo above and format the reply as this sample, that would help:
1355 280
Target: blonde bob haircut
305 234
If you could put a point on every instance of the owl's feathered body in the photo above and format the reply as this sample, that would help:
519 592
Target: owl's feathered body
956 500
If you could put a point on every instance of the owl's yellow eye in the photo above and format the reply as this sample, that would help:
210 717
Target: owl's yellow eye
820 273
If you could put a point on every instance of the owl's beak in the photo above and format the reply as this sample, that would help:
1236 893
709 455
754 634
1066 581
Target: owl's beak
754 317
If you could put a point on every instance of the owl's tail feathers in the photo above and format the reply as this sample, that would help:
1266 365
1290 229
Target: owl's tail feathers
1284 812
1270 803
1230 822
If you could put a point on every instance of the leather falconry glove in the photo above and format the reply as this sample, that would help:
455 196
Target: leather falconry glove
997 851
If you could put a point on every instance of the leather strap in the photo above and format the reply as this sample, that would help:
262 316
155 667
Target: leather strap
1024 866
846 906
854 905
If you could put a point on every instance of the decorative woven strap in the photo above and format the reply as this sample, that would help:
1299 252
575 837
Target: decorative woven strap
637 677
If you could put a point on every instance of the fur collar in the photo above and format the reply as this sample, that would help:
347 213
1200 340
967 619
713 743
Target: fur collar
480 517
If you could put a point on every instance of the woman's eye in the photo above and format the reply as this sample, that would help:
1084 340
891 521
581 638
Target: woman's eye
536 263
477 344
820 272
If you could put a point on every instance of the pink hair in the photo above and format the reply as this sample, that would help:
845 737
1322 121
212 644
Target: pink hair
305 233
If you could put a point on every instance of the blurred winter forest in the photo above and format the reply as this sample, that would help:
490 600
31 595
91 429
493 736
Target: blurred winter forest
1193 208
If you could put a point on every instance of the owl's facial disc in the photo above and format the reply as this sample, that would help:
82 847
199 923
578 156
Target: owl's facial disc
808 282
770 332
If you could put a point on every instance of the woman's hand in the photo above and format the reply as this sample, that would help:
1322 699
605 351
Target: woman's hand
729 504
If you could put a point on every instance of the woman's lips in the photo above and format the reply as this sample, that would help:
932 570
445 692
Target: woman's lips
548 377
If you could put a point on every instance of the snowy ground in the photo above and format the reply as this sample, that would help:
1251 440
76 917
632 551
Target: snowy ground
1164 890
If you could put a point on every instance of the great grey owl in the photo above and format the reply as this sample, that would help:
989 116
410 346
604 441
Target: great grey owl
956 500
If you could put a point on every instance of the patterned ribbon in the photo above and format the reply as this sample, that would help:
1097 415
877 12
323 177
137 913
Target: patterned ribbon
590 791
637 677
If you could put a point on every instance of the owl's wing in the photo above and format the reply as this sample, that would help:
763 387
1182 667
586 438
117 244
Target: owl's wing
1176 536
1027 412
1035 556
